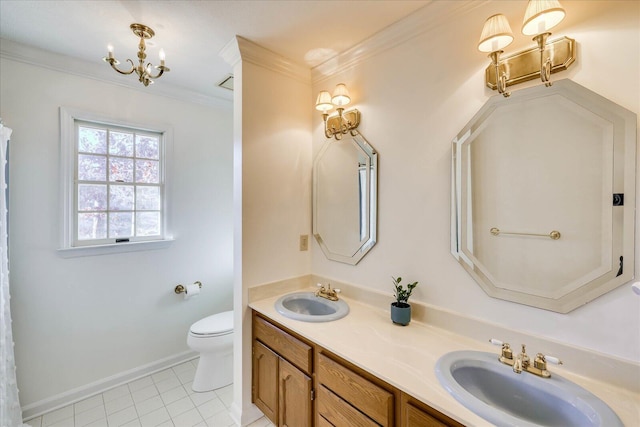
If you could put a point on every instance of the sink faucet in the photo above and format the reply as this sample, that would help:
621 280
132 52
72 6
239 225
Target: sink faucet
328 293
521 361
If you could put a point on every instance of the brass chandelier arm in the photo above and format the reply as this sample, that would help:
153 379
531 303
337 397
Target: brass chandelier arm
113 62
161 70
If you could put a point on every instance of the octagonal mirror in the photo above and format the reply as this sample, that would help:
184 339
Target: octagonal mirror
344 198
543 199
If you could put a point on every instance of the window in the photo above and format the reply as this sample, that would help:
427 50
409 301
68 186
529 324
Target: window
113 182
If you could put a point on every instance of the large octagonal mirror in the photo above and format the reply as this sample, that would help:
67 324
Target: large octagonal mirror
344 198
544 195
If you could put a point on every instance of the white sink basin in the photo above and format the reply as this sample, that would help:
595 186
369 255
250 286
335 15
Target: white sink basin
493 391
307 307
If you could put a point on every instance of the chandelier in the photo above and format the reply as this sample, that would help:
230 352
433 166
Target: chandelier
143 71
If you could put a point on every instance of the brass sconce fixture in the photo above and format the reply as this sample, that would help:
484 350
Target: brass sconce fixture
539 62
344 121
144 72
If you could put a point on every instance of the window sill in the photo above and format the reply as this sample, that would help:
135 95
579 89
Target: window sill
81 251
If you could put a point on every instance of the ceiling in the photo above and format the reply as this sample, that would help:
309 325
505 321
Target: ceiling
192 32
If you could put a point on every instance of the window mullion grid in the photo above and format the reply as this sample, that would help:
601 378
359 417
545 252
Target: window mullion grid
108 179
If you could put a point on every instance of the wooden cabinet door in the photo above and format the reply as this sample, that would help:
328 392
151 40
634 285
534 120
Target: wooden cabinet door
265 381
295 397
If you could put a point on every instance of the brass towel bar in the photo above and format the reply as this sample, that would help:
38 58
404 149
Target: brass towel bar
554 235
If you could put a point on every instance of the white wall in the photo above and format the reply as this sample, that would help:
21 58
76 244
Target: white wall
81 320
272 194
414 99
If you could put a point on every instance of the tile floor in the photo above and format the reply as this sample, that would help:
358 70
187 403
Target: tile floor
163 399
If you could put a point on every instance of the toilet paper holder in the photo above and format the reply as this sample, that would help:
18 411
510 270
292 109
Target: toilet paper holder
181 289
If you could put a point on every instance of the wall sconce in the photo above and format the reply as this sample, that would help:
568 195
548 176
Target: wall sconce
341 122
547 58
144 73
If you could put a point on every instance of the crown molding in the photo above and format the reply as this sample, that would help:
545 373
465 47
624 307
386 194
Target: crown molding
242 49
426 19
19 52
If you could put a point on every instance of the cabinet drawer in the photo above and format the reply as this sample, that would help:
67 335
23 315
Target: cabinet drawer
287 346
417 414
339 413
369 398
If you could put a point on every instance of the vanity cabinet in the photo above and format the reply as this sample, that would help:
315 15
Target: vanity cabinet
350 398
289 372
282 385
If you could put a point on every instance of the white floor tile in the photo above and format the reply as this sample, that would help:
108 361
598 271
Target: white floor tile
173 395
183 366
35 422
163 375
168 384
262 422
144 394
220 420
186 375
224 390
155 418
87 404
188 419
149 405
100 423
227 398
164 399
118 404
200 398
211 408
140 384
120 418
187 386
87 417
64 423
115 393
180 406
57 415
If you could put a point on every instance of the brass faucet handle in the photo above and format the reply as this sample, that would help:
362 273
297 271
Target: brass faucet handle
506 354
540 365
541 361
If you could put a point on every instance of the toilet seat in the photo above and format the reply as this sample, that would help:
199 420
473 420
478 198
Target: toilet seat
213 326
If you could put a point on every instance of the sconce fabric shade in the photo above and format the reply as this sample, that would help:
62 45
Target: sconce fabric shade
541 16
323 102
496 34
341 96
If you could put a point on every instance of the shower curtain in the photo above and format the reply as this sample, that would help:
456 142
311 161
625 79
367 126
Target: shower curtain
10 412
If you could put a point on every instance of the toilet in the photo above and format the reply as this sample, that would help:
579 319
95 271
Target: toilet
212 337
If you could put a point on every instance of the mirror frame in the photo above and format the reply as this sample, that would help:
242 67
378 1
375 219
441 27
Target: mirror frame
624 125
372 174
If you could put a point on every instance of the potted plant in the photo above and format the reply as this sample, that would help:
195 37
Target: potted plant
401 309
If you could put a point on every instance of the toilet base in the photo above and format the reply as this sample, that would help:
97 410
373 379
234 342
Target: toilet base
214 371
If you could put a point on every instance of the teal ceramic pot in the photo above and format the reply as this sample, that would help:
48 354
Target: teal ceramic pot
400 313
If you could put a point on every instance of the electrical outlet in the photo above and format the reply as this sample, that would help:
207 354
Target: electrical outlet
304 242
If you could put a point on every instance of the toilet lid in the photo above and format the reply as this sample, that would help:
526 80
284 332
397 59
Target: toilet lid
217 324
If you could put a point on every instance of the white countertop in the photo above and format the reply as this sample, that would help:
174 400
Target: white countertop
405 356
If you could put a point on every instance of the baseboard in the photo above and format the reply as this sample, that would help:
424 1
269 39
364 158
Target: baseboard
244 417
80 393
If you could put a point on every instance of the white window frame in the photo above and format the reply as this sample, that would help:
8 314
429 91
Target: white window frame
69 247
